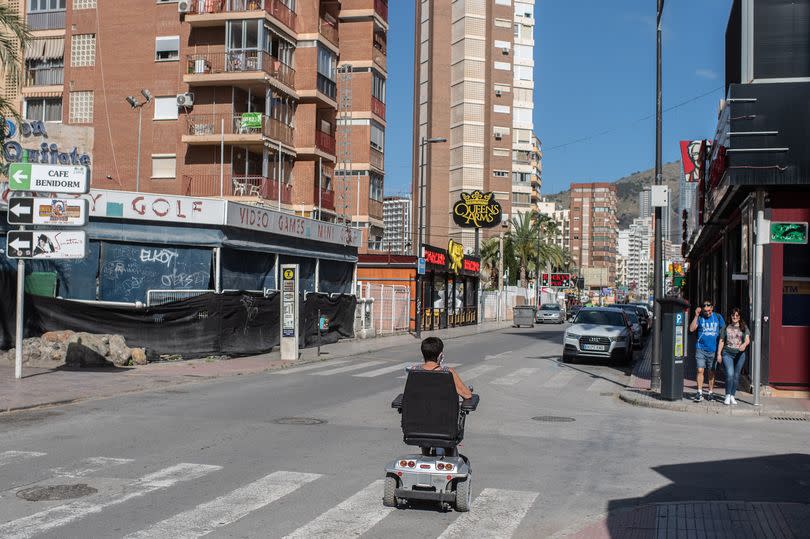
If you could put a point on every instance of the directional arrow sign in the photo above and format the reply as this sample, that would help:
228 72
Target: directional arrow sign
49 244
47 211
72 179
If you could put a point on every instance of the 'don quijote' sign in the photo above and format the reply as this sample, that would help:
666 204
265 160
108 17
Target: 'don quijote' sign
477 210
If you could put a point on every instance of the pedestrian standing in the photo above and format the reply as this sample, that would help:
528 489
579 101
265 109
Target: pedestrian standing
708 325
734 341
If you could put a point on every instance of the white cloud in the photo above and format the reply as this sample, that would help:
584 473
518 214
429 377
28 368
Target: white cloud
706 74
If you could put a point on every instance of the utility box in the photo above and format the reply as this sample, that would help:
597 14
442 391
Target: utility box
659 196
674 326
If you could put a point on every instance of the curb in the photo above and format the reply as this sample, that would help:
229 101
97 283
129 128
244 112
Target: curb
646 399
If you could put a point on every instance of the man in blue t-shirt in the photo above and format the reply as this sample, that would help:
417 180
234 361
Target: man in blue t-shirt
708 325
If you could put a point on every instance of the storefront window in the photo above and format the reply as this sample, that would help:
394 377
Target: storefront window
796 286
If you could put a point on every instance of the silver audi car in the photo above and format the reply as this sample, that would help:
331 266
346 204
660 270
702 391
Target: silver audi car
550 312
599 333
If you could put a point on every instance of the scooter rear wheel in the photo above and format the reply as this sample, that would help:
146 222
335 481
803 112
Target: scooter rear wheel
463 495
389 497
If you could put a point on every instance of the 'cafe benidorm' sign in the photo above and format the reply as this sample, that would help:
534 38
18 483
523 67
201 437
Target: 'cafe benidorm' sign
46 153
477 210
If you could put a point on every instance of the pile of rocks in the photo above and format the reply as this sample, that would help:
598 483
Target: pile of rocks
76 350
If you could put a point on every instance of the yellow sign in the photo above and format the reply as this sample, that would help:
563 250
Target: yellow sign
477 210
455 251
289 274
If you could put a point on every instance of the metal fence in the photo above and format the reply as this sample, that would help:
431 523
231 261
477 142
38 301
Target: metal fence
497 305
391 309
161 297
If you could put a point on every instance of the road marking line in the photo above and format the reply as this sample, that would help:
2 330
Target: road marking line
495 513
227 509
38 523
384 370
293 370
601 384
11 456
560 379
497 356
515 377
351 518
93 465
475 372
346 369
450 365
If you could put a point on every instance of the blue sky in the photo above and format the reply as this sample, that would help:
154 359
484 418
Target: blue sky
594 73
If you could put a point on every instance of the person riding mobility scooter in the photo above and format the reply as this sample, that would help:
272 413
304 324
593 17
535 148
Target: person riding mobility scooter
433 415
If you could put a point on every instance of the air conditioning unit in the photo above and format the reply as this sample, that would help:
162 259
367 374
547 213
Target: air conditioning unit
505 51
185 100
185 6
498 135
498 93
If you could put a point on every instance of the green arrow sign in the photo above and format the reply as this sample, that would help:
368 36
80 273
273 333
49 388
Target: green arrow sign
19 176
788 232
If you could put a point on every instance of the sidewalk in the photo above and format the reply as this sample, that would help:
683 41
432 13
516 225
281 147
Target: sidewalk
639 394
675 520
44 387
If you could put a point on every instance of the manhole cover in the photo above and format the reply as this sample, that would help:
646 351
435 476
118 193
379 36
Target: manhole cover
55 492
553 419
299 421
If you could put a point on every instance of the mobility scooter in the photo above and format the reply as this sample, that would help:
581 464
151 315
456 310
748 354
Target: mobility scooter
433 419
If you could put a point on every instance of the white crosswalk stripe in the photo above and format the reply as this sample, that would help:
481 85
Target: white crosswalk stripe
92 464
294 370
514 377
384 370
495 513
560 379
450 365
475 372
350 518
61 515
602 384
348 368
227 509
13 456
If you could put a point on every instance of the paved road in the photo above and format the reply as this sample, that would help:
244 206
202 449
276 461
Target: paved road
210 459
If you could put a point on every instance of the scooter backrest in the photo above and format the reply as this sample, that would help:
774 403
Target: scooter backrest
430 406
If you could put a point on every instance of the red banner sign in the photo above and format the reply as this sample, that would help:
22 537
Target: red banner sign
472 265
437 259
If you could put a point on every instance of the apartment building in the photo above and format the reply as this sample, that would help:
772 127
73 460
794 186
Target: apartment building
220 98
537 170
639 260
397 211
525 146
562 238
464 91
594 226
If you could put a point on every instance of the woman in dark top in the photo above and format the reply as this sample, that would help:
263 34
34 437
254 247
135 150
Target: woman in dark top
734 341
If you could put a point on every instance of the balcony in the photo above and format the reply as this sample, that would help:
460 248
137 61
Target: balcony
250 186
376 159
50 76
213 12
46 20
329 31
245 128
379 57
378 107
381 9
327 198
217 68
325 142
375 209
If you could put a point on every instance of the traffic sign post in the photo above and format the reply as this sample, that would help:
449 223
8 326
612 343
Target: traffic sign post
47 211
69 179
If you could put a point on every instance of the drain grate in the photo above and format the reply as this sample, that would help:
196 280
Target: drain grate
553 419
56 492
299 421
788 418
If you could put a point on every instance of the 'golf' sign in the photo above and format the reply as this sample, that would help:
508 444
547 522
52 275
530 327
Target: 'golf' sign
70 179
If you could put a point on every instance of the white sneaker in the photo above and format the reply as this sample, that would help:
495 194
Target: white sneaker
727 400
733 400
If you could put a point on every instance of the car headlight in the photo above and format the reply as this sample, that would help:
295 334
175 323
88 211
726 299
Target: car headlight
572 335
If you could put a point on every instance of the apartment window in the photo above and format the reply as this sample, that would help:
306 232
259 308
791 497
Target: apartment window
167 48
521 198
84 4
166 108
327 71
83 50
503 23
45 5
501 109
503 66
376 187
500 173
48 109
377 136
378 86
523 9
523 72
522 115
81 108
164 166
521 177
504 2
500 152
523 52
517 29
502 88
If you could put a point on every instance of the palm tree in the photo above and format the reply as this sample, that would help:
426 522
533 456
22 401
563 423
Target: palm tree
490 255
14 36
523 240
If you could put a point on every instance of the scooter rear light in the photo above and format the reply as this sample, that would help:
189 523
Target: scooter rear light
424 466
449 477
411 464
440 466
448 466
403 463
399 474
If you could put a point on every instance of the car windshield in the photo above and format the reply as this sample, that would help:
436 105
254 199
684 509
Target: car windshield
633 317
550 307
600 318
641 311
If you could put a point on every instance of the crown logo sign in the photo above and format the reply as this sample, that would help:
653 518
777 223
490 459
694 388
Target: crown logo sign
476 198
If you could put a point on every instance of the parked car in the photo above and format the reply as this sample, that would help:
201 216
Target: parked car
599 333
550 312
638 316
635 327
572 312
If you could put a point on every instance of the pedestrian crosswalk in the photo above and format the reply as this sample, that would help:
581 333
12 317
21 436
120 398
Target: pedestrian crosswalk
495 512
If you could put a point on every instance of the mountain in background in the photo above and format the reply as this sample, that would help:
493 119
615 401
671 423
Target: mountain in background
627 190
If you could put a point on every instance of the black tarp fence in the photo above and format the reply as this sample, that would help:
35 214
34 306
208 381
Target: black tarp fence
337 312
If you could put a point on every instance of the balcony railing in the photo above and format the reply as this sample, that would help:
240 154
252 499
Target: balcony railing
327 87
381 8
327 198
274 7
240 61
46 20
376 158
239 124
379 57
210 185
325 142
378 107
44 76
329 31
375 208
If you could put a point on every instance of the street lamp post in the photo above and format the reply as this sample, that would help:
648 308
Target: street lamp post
422 144
658 288
135 104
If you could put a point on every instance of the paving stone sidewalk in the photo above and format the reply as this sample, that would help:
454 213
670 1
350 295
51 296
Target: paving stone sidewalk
43 387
